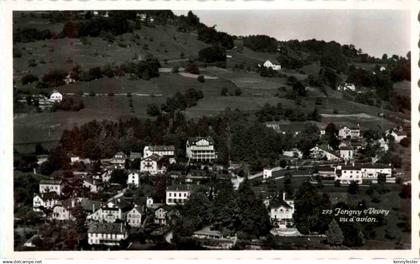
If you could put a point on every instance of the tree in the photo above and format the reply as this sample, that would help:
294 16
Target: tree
299 89
238 91
212 54
192 68
224 91
353 188
119 176
29 78
200 78
153 110
334 234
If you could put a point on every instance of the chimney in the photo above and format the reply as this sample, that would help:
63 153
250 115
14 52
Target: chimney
284 196
93 208
120 227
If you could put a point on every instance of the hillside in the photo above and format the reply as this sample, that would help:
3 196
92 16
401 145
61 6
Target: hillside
65 42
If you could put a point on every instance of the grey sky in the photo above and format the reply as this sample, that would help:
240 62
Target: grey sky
374 31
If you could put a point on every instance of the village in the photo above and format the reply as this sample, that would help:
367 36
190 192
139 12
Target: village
167 134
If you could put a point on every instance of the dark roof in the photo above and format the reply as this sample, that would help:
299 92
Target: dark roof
193 141
88 204
154 157
49 196
107 228
346 148
277 202
51 181
161 148
356 167
325 168
136 155
186 187
376 165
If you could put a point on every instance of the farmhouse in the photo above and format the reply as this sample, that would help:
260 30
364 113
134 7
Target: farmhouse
51 185
397 134
159 150
320 152
56 97
347 132
178 194
44 201
133 179
153 165
109 234
133 217
201 149
268 64
281 211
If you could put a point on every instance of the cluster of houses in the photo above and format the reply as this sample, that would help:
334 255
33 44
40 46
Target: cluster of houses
347 173
43 101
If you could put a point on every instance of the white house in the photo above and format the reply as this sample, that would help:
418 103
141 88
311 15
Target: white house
107 213
201 149
373 171
56 97
91 184
152 165
44 201
106 176
346 87
293 153
119 159
281 211
352 132
133 217
178 194
149 202
61 212
109 234
160 216
346 152
319 152
397 134
133 179
382 68
268 64
51 185
162 151
267 173
348 174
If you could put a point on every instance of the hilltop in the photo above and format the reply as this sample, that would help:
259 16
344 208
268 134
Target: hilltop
122 62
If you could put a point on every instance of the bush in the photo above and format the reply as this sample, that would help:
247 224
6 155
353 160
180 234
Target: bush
200 78
70 104
192 68
92 93
238 92
153 110
29 78
212 54
224 91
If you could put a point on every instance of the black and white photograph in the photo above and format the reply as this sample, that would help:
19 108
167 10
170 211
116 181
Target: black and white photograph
147 130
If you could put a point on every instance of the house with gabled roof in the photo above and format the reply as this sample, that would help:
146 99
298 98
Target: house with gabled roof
153 164
109 234
163 151
281 211
201 149
134 216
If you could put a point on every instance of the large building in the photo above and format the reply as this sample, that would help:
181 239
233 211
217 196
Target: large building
46 186
153 164
178 194
109 234
201 149
349 132
281 211
107 213
168 151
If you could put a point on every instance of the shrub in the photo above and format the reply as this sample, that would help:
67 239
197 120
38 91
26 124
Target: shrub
29 78
192 68
200 78
238 92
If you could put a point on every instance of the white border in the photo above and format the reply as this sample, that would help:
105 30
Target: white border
6 127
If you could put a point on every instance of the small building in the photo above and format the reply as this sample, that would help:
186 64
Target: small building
346 87
133 179
135 155
153 164
149 202
44 201
109 234
133 217
56 97
326 172
160 216
62 211
349 132
348 174
346 152
268 64
91 184
51 185
321 152
201 149
281 211
109 213
293 153
397 134
267 173
119 159
163 151
178 194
